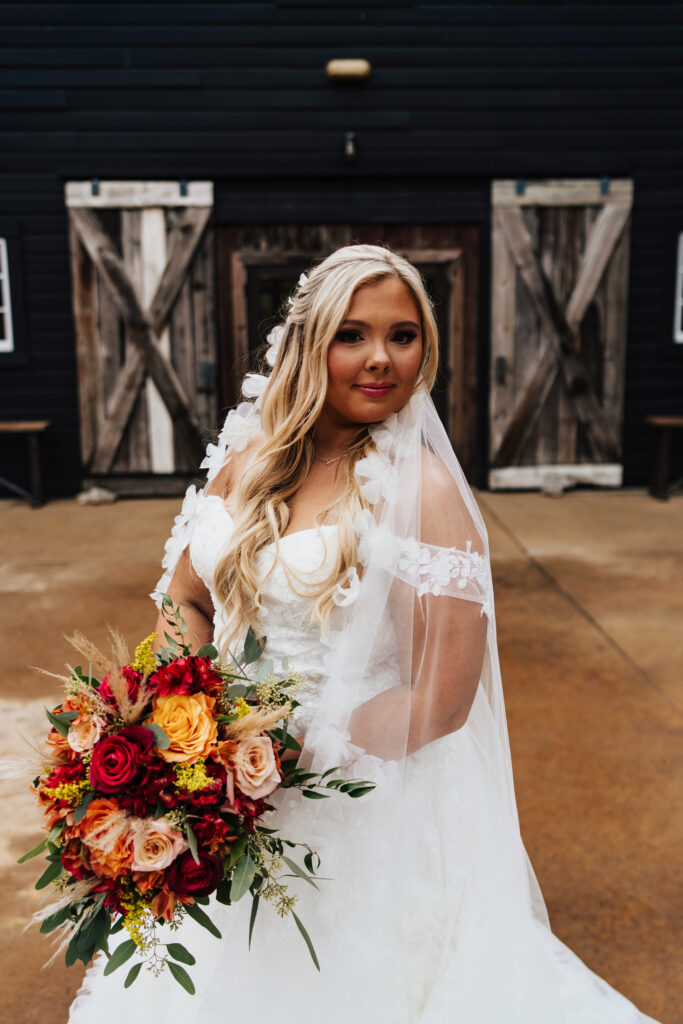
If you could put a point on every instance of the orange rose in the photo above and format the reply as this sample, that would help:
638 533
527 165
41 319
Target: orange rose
187 720
105 830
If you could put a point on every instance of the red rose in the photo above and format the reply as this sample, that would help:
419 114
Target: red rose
119 760
187 878
132 677
185 676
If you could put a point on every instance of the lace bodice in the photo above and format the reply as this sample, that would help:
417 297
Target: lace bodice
304 557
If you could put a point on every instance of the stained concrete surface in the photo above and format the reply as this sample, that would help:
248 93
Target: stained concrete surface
589 605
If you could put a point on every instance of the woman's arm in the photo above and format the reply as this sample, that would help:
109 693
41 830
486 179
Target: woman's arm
448 647
189 593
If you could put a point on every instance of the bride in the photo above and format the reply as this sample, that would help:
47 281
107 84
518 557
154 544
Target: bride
336 521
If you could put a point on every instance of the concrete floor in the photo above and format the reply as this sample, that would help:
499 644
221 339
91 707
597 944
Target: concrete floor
589 605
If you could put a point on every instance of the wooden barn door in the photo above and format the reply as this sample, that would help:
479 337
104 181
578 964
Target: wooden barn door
143 276
560 254
263 263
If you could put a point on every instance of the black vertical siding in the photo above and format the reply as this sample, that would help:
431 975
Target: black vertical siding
236 93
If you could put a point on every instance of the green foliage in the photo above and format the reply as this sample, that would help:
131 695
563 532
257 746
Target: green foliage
182 977
198 915
120 955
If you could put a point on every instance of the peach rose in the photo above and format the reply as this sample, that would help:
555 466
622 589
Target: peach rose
156 845
254 766
147 881
188 722
105 830
84 732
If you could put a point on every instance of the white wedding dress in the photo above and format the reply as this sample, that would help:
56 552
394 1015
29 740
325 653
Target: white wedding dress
450 975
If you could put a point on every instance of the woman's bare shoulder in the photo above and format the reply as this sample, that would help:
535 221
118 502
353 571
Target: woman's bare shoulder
231 470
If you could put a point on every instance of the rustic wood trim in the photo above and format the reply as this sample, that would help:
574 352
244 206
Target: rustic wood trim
118 194
562 192
503 297
84 283
185 238
528 409
527 477
239 307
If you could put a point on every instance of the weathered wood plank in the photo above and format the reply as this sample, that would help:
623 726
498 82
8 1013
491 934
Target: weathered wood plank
109 264
138 194
83 290
600 245
153 245
119 409
184 240
562 192
137 431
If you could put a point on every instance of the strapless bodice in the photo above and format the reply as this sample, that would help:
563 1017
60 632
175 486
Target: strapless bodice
305 557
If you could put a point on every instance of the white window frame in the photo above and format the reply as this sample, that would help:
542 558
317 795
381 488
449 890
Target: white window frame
678 297
7 343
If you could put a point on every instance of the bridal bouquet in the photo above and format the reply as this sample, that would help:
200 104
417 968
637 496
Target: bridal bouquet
154 789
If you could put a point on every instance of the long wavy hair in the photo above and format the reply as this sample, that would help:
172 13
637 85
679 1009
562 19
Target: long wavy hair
284 453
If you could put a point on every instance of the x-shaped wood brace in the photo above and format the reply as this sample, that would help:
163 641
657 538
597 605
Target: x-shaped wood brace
561 326
143 328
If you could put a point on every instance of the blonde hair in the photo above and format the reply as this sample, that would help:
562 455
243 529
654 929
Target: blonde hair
291 405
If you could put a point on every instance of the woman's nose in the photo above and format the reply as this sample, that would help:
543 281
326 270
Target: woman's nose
378 357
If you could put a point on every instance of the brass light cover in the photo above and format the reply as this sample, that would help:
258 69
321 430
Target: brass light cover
348 69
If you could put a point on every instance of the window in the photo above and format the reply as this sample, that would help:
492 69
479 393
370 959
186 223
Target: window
678 299
6 330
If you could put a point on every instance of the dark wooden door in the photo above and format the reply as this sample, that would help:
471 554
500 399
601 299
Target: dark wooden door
263 264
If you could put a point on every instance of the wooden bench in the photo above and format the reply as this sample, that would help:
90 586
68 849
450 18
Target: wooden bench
663 425
33 429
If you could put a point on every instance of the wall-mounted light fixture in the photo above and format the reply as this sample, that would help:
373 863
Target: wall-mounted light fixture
348 70
350 145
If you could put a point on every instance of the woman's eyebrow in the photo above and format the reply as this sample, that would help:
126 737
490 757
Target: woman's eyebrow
399 323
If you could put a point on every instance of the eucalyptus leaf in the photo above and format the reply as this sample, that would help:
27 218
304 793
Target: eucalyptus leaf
178 952
253 646
242 877
207 651
307 940
252 916
51 872
265 670
132 975
313 794
299 871
59 723
34 852
236 690
192 841
182 977
197 914
120 955
54 920
161 740
79 813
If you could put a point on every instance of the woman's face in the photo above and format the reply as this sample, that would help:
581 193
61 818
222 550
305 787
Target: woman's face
373 362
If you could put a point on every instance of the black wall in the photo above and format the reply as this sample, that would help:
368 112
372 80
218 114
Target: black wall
236 93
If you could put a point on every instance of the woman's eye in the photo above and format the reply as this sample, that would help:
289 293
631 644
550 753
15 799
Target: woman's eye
348 335
404 337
